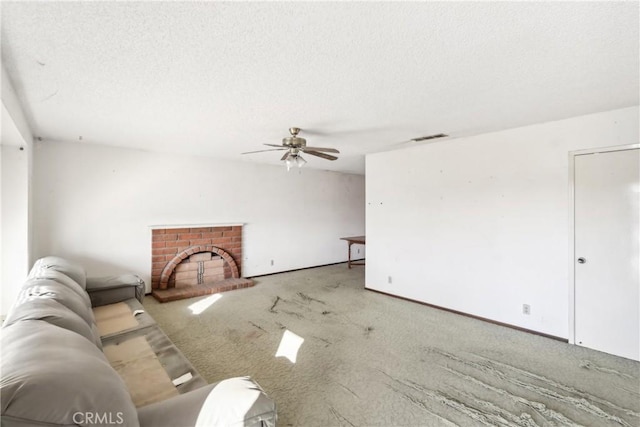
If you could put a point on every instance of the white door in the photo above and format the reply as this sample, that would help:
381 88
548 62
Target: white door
607 254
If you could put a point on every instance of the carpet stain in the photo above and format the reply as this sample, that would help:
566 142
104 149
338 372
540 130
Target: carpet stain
582 401
253 335
367 331
578 399
272 309
257 326
348 389
293 313
341 418
326 341
551 417
493 415
307 298
522 420
389 376
479 411
422 405
587 364
280 325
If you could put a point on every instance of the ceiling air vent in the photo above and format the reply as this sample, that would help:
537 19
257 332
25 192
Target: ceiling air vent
428 137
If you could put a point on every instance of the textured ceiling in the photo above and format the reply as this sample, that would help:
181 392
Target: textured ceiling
217 79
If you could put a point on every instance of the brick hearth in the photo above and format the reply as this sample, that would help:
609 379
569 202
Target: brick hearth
172 294
195 261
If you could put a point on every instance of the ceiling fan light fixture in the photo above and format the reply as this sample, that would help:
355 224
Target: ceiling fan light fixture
289 161
294 160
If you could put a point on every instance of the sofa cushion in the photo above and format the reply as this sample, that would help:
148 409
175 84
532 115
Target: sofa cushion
50 289
62 265
54 313
129 354
52 376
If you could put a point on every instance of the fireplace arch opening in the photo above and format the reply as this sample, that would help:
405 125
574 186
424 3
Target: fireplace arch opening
198 265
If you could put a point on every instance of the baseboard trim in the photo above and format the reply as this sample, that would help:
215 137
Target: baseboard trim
473 316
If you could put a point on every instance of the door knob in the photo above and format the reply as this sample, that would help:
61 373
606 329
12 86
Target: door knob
582 260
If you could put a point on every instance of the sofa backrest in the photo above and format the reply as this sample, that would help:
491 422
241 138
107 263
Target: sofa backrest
52 293
63 279
50 289
61 265
54 313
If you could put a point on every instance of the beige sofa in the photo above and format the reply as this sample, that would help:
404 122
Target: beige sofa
82 351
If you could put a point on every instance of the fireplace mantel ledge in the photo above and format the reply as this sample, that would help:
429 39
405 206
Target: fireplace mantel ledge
221 224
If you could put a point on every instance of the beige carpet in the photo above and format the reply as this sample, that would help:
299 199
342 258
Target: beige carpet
372 360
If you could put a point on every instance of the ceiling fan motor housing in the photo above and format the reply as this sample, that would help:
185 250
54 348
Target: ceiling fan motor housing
294 141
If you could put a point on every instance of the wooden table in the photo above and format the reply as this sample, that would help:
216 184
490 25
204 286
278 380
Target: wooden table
359 240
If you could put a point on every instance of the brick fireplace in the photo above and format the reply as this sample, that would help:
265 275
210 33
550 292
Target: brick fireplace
194 261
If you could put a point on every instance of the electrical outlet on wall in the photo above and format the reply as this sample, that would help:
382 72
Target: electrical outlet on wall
389 280
526 309
272 262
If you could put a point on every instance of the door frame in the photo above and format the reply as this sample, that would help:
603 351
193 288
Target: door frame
572 229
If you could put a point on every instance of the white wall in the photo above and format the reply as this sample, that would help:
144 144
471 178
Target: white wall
15 223
95 204
3 311
480 224
15 182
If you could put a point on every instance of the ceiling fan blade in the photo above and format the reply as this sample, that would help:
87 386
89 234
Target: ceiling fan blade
422 139
328 150
274 145
262 151
319 154
285 156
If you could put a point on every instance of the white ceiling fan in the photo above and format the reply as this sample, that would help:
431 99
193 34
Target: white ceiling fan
294 145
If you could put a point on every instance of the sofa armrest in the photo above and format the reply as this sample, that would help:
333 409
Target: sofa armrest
112 289
232 402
